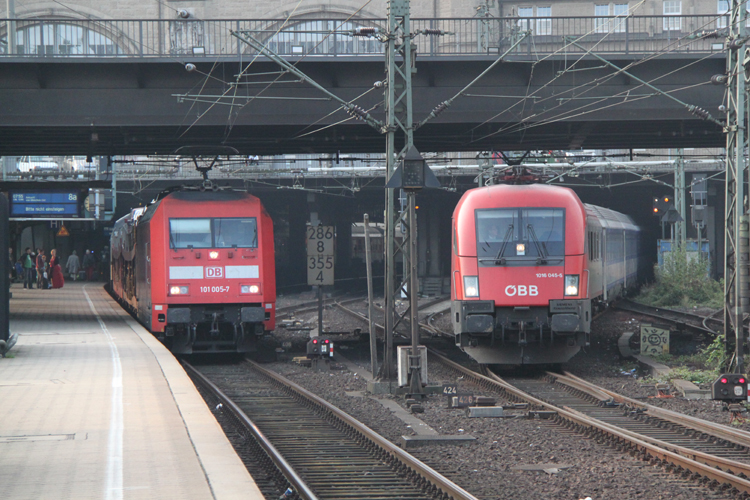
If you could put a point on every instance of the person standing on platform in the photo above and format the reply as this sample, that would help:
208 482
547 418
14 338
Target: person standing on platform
88 264
55 270
40 265
28 269
73 266
45 272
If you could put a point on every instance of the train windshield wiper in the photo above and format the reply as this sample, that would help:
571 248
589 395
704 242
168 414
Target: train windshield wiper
540 249
499 260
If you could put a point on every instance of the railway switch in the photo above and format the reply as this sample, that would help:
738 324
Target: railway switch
730 387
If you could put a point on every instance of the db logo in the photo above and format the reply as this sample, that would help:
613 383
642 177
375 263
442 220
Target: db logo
521 290
214 272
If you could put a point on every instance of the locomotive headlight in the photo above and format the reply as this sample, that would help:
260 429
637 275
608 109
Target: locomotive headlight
571 285
213 254
249 289
471 286
178 290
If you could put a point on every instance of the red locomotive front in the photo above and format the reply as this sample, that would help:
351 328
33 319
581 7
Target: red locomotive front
519 274
204 271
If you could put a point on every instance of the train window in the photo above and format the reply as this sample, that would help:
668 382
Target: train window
516 236
190 233
242 233
544 226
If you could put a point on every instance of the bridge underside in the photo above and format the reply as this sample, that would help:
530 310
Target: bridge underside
131 108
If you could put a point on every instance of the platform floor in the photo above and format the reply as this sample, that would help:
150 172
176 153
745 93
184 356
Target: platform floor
92 406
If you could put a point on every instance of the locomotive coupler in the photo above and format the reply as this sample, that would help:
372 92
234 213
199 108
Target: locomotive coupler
215 324
239 334
522 333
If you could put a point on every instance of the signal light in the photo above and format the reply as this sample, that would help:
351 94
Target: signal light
661 205
315 341
730 387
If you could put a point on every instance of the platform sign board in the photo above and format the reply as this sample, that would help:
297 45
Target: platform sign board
320 255
44 205
654 339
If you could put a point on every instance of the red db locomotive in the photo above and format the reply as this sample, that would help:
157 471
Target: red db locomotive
197 269
529 264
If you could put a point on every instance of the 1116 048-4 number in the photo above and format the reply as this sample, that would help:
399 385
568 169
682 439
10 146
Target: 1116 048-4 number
214 289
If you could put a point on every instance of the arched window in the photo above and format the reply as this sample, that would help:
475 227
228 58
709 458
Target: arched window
318 37
66 38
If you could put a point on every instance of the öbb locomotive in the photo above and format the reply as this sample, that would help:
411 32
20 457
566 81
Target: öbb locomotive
197 269
530 264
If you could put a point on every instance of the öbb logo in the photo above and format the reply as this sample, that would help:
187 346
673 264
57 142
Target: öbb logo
214 272
521 290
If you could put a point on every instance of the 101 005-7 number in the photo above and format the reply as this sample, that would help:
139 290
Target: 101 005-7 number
214 289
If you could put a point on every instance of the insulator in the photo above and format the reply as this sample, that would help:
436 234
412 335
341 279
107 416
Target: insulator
719 79
365 31
432 31
709 34
699 112
357 111
440 108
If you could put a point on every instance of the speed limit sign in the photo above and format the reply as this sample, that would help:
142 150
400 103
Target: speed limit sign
320 252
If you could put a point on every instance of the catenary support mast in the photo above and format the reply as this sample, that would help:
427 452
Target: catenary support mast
736 296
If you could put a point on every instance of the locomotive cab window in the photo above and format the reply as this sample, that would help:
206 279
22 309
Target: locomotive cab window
190 233
520 236
222 232
241 233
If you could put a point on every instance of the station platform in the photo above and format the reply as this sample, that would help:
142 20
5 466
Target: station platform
92 406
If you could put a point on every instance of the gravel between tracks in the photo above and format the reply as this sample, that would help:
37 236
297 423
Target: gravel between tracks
484 467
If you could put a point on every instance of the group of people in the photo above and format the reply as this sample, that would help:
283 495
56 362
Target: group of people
35 268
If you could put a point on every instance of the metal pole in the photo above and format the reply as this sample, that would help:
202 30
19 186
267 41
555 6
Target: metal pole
415 381
320 310
680 196
735 260
398 110
10 9
370 305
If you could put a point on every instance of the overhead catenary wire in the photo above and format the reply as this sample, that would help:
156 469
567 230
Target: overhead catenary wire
674 46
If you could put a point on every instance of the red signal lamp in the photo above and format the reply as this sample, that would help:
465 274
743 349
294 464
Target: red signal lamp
723 381
742 380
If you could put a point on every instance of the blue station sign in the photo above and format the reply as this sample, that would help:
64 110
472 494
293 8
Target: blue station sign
52 204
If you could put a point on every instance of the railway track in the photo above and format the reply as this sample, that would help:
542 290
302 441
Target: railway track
713 454
425 326
706 325
312 305
321 451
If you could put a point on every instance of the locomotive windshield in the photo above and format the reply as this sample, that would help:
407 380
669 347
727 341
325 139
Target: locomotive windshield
222 232
520 236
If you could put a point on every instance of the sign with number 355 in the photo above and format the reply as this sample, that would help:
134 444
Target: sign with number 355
320 253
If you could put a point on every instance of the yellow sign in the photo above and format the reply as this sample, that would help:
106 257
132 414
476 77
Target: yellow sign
654 340
63 231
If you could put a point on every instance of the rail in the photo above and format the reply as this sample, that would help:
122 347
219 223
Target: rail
690 460
302 489
42 38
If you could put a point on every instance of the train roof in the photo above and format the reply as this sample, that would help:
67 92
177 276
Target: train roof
609 219
518 195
